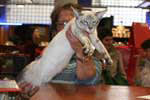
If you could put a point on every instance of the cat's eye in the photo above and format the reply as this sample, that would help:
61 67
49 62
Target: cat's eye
94 22
84 22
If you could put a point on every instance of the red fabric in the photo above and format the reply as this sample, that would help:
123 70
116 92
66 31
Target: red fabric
140 32
9 90
131 66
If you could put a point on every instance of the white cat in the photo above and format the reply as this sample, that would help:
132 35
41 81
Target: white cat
58 53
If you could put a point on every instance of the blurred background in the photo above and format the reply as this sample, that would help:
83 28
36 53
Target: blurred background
27 22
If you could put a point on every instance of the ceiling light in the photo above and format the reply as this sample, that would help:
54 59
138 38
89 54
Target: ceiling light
145 4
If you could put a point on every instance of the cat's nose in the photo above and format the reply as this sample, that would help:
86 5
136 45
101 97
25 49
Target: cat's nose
90 28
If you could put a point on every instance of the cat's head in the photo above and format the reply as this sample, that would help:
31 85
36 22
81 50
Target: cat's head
88 21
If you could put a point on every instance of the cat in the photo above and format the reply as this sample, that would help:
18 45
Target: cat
58 53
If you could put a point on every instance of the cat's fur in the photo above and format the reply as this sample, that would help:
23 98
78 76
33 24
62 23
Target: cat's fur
59 52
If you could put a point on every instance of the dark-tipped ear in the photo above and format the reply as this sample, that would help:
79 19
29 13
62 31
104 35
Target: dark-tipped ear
100 14
76 13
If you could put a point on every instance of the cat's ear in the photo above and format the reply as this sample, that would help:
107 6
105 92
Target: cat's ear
76 13
100 14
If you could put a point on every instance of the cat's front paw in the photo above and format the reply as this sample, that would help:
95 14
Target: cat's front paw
108 59
88 49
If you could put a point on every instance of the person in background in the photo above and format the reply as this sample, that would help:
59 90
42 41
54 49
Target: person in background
40 35
143 65
112 74
23 39
74 74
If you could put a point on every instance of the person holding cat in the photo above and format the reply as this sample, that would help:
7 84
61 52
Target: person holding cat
73 74
60 17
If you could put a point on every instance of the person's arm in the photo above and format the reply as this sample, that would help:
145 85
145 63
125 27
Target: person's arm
86 70
85 66
96 79
121 65
69 74
139 66
138 76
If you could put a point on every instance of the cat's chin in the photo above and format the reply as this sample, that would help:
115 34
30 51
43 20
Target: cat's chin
87 33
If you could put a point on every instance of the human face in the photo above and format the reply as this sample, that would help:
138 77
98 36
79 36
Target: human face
64 17
108 41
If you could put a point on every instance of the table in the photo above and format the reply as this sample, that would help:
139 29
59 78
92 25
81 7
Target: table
98 92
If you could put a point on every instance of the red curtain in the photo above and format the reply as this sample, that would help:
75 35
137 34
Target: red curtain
140 32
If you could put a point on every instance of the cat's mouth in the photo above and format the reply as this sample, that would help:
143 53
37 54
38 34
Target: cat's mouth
87 33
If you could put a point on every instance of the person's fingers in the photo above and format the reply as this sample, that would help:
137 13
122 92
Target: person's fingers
33 91
21 84
25 87
28 92
28 88
75 43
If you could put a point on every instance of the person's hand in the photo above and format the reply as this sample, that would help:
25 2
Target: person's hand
27 91
76 45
